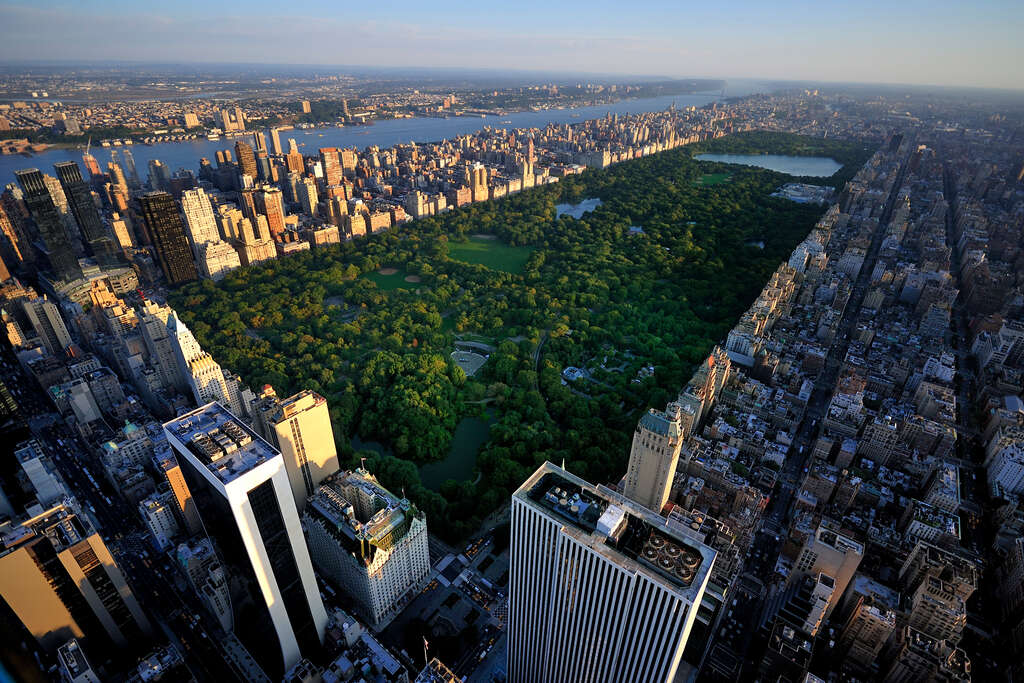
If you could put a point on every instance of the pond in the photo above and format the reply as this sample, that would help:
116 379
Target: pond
470 434
818 167
577 210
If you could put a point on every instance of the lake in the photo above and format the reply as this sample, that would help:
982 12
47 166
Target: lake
470 434
818 167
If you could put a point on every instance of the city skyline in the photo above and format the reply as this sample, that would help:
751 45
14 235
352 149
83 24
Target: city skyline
912 43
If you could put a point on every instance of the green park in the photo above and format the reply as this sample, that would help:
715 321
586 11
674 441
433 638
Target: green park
372 323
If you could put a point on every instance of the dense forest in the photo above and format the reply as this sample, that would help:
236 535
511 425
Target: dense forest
593 294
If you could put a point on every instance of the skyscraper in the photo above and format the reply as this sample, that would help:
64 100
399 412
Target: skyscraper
132 172
600 589
59 251
199 218
241 489
246 159
653 458
58 577
308 197
829 552
201 373
86 214
331 164
48 324
275 142
300 427
168 233
270 202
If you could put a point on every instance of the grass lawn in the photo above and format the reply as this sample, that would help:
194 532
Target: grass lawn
494 254
389 281
714 178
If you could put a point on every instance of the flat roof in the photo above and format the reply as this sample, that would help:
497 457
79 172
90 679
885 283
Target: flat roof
220 441
619 528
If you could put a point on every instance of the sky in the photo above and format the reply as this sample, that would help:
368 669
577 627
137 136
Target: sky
899 41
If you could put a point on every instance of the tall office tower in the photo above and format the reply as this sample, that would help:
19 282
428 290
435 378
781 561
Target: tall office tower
865 633
349 159
60 580
601 589
168 234
117 177
308 197
248 201
259 141
300 427
16 248
240 486
265 169
160 348
60 201
270 203
703 389
937 610
293 160
199 218
275 142
368 542
254 244
132 172
59 251
87 215
48 324
915 657
122 231
202 374
477 181
829 552
928 561
331 164
246 159
91 165
653 458
159 175
182 497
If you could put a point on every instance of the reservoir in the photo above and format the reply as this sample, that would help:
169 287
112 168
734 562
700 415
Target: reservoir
818 167
385 133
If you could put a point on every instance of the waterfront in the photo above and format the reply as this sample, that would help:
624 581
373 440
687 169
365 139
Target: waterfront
386 133
818 167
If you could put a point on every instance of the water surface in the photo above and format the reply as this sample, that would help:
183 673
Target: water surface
818 167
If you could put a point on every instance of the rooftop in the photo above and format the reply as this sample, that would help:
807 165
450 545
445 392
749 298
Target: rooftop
618 528
220 441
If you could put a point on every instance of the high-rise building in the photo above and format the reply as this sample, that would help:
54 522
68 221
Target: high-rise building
259 141
182 497
653 458
275 142
331 165
159 175
300 427
828 552
865 633
200 371
270 203
86 214
915 656
168 234
304 105
217 259
74 666
246 159
232 119
241 489
308 197
48 324
208 579
293 159
600 588
368 542
59 251
199 218
131 171
60 580
476 178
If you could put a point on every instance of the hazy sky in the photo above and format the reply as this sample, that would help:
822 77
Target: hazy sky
905 41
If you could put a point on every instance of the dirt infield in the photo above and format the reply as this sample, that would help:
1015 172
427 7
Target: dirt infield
413 278
387 271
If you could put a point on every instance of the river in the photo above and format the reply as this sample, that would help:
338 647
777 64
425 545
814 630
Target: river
385 133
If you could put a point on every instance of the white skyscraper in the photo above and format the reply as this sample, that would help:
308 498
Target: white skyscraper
200 372
241 490
601 589
300 426
199 217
